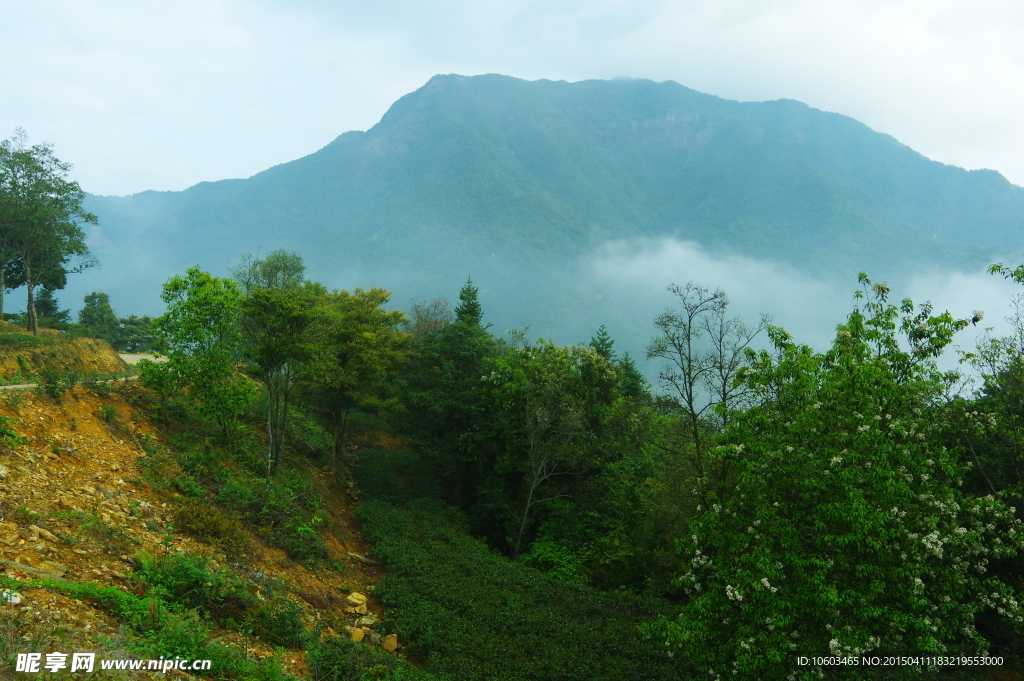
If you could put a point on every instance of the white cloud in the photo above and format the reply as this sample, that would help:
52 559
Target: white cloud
634 275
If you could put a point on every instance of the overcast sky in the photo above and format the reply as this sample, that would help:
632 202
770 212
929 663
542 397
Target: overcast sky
157 95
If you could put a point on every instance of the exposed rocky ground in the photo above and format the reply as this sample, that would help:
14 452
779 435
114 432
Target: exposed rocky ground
23 356
75 505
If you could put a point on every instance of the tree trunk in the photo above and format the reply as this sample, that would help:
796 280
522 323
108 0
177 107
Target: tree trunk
522 520
344 424
282 423
3 287
335 439
271 399
531 488
31 310
337 443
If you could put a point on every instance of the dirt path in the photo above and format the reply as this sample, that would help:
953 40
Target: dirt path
133 357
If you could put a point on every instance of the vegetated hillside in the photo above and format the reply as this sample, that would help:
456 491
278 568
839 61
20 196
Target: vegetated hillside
23 356
514 183
101 552
493 164
123 535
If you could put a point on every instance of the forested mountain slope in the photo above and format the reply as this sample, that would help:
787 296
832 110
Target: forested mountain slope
539 172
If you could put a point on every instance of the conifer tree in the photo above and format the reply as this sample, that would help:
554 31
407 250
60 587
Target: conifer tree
602 344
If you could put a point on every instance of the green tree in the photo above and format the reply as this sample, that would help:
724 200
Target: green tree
842 528
279 271
48 309
275 324
202 337
446 397
135 334
427 317
603 343
97 317
276 312
40 220
356 351
633 384
551 397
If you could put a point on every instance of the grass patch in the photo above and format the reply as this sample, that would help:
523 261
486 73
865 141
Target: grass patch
279 622
23 340
223 488
192 583
7 435
159 628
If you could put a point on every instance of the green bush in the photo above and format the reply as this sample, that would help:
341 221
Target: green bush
554 558
279 622
397 477
290 515
7 435
210 524
339 659
293 514
101 384
474 615
191 582
56 383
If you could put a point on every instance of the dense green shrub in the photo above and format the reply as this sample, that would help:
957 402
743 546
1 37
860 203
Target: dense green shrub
289 516
279 621
56 383
473 614
192 582
339 659
208 523
396 477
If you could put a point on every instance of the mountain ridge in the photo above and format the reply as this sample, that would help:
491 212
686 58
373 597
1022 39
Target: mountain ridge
506 180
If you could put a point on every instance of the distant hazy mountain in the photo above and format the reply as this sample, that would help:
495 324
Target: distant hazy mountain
506 179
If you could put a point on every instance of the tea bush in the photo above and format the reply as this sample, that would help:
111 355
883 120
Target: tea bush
474 615
334 658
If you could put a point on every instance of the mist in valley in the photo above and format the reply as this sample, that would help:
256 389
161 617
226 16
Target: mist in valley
621 284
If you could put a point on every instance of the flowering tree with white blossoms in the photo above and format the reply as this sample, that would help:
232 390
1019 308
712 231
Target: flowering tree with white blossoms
843 531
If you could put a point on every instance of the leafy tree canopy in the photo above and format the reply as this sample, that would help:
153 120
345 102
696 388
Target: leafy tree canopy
840 526
202 337
98 318
280 270
41 240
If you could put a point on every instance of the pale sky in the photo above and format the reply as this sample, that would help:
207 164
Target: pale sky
157 95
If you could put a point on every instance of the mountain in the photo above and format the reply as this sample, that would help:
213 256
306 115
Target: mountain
513 181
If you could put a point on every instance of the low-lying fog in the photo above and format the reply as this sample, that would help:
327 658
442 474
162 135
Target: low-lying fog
620 284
